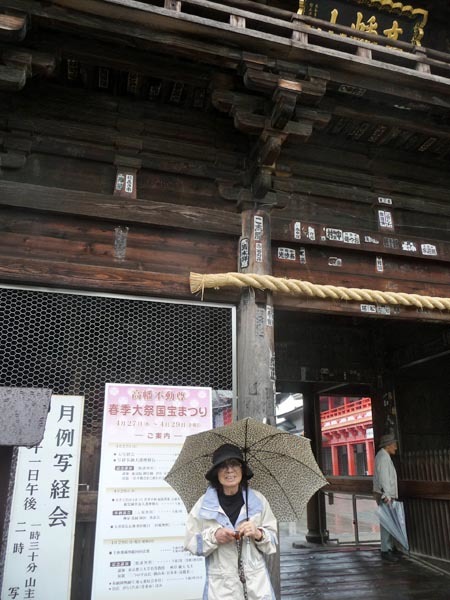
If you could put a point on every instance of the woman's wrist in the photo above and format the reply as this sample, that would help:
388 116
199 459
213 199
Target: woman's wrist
261 534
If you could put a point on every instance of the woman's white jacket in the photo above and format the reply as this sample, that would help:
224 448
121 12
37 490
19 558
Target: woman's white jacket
222 575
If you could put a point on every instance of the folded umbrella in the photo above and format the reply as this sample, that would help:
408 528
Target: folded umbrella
392 518
284 467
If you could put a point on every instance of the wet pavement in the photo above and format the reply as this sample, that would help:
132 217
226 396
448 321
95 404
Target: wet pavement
343 569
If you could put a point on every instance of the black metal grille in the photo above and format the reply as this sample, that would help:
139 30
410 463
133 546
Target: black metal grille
75 343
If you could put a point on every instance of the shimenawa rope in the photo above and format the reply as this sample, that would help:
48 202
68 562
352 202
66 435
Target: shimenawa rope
298 287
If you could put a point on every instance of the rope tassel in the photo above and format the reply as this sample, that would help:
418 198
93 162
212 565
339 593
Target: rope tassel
298 287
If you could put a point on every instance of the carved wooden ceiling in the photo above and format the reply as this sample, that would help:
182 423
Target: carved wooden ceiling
276 103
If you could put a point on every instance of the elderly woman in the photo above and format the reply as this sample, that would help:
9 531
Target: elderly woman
233 527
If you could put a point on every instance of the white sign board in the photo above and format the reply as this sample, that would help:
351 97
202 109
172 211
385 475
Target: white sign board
140 519
38 562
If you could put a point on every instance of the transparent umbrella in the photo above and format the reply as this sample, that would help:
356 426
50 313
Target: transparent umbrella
392 518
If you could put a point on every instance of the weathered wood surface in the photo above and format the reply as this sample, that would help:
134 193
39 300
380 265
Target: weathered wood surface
343 573
13 27
433 490
87 242
25 195
112 208
132 22
351 237
66 252
438 490
350 485
256 371
87 506
357 270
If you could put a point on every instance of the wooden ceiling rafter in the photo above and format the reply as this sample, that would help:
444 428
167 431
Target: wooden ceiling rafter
282 100
268 111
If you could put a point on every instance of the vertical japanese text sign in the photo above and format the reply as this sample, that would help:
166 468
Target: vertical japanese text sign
141 520
38 562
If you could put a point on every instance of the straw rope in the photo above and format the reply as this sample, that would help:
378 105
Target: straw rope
297 287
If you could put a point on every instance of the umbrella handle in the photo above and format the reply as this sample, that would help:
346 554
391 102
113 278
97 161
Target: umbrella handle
241 571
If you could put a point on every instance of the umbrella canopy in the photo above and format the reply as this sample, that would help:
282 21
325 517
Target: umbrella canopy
284 467
392 518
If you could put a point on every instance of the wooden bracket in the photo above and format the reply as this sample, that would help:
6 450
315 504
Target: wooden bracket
12 160
262 183
281 109
12 79
13 28
20 64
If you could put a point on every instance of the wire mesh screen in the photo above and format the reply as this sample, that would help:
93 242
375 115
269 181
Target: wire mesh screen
74 344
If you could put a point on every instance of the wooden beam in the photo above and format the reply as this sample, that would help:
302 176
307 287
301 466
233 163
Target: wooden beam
359 270
346 236
350 485
158 26
88 277
433 490
408 195
13 28
113 208
352 309
88 242
12 79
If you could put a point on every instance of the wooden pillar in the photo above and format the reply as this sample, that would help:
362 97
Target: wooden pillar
256 355
6 455
316 515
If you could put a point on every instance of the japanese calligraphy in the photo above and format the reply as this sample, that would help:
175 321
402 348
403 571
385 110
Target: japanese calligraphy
139 534
389 19
39 545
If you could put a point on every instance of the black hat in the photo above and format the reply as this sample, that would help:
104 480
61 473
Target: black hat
226 452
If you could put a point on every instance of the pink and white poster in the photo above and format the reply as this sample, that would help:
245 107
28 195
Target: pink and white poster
140 518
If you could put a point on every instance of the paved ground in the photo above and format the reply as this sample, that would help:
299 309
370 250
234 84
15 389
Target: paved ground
343 570
347 573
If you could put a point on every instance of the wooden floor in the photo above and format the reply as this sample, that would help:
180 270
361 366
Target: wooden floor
349 574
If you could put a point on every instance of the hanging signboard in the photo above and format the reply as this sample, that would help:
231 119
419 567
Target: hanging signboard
140 519
23 415
38 560
387 18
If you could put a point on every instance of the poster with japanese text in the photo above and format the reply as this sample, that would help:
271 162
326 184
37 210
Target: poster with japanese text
39 551
141 520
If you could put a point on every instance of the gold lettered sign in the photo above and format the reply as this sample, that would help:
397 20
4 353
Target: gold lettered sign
387 18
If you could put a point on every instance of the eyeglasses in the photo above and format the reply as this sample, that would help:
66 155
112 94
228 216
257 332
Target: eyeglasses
233 463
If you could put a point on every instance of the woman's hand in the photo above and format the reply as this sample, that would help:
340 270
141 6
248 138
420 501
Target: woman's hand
224 535
249 529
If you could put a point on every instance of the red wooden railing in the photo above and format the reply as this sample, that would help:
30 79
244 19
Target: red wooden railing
359 411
